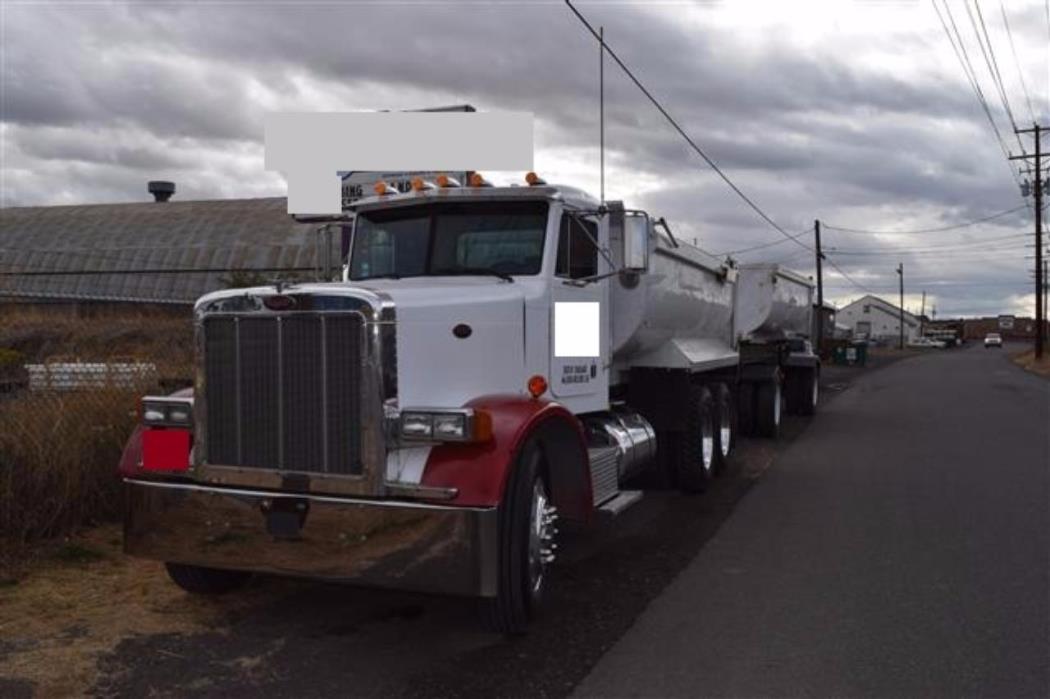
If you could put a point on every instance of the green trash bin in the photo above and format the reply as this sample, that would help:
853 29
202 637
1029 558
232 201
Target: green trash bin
838 355
857 353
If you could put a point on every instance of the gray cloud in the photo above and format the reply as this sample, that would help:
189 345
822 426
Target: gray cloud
98 99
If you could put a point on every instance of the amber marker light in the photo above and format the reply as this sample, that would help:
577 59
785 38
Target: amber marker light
444 181
534 180
381 188
476 180
420 185
537 386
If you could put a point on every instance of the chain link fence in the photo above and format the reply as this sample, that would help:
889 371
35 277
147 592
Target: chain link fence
70 379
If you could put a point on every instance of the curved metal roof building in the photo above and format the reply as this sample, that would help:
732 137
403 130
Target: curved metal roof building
153 252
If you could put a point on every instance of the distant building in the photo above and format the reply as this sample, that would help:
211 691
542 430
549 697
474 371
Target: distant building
158 252
874 318
1010 327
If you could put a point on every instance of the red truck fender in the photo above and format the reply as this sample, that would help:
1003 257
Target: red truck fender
480 472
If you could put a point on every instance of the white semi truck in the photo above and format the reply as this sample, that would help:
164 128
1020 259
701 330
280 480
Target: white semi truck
495 358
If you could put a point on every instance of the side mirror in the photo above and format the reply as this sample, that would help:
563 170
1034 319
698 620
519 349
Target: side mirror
636 242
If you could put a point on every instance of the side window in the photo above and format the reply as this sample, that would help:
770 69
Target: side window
577 254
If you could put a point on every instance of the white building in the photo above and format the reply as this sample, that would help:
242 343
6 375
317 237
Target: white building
875 318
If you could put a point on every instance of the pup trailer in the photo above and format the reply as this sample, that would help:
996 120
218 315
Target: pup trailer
494 359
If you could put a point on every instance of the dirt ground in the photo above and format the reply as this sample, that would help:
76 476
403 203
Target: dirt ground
1026 360
79 598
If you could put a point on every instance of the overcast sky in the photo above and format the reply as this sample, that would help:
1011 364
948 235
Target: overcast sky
855 113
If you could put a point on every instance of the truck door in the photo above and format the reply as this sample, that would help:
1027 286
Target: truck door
579 322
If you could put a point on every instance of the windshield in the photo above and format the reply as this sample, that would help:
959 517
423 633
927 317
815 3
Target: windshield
499 238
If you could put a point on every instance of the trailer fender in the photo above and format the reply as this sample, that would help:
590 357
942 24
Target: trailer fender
480 472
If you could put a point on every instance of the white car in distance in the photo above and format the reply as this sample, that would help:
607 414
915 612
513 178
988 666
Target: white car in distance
993 340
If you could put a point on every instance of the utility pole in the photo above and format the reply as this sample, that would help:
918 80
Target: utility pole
820 289
601 106
900 273
1040 306
922 314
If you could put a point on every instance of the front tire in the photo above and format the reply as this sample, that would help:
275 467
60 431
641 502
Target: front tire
206 581
695 458
526 547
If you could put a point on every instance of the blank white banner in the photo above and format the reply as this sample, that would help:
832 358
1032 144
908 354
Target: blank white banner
310 148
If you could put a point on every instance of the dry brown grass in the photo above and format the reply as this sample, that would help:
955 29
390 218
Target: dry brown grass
59 450
59 454
1026 360
40 334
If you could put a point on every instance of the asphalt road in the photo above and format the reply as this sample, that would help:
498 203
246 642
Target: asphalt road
899 547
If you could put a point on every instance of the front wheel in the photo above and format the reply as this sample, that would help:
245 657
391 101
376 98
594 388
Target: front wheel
526 547
206 581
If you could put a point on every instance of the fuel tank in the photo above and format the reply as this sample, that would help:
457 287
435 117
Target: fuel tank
772 303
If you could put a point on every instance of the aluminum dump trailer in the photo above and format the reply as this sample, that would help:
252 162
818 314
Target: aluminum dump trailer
773 304
679 315
773 321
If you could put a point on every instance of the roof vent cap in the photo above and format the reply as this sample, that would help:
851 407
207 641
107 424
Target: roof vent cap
161 190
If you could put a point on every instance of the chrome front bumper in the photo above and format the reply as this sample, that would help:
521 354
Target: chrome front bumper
377 543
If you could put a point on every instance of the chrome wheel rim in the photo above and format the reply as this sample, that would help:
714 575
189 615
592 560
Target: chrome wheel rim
542 517
776 403
725 433
707 444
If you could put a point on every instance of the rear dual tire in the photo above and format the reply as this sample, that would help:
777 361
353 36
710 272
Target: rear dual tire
768 399
703 447
803 391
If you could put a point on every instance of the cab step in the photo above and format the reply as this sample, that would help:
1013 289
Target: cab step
620 502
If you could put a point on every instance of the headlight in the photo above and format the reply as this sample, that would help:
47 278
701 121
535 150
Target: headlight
450 426
417 425
167 412
454 425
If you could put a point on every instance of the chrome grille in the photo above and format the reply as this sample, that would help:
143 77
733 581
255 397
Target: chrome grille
282 392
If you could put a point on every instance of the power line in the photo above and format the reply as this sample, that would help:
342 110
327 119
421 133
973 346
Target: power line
927 230
1017 61
971 75
681 131
993 66
846 276
763 246
934 248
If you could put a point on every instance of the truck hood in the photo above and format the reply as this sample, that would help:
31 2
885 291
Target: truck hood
438 368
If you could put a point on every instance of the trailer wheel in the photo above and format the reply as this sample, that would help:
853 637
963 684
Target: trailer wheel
526 548
796 387
808 391
206 581
767 408
695 460
725 426
745 408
